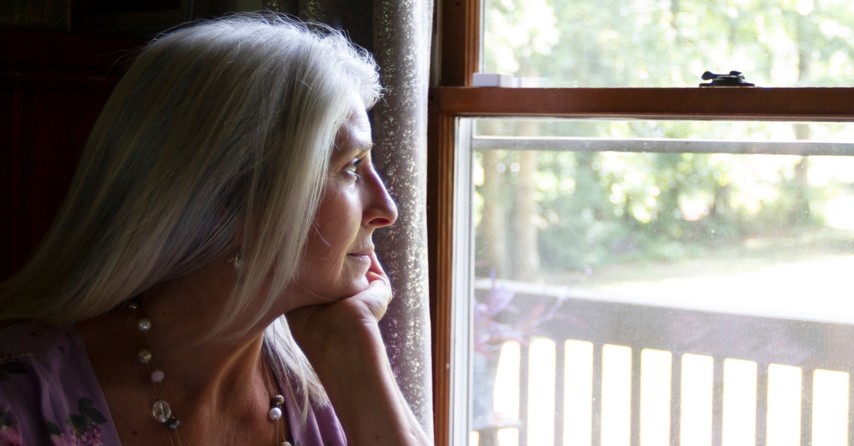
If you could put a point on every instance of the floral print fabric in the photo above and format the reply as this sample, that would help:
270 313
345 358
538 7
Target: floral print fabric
48 391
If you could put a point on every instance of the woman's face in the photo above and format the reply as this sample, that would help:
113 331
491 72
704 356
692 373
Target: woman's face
355 202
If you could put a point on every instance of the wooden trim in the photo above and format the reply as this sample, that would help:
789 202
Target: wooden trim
827 104
440 218
460 41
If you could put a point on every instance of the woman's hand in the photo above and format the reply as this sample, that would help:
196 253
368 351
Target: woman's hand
343 343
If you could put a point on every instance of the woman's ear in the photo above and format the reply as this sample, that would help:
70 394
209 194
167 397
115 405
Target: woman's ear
238 237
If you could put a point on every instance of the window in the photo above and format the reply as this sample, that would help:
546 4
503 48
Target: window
688 248
649 164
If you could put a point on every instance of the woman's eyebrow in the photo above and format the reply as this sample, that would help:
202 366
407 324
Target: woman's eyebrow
360 148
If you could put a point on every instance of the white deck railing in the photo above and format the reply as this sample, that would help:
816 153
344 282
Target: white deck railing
622 374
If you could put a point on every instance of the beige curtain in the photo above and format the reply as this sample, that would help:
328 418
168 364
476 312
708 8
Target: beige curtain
398 34
402 48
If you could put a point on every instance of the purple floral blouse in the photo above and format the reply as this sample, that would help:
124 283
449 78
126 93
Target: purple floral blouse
49 395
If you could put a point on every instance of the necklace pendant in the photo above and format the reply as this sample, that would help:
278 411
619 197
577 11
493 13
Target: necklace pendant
161 411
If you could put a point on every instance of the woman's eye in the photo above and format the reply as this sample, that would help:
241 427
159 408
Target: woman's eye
353 167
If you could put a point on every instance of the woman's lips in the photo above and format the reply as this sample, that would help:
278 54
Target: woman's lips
361 256
362 252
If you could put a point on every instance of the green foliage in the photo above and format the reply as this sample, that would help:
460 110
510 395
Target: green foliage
658 43
600 208
88 417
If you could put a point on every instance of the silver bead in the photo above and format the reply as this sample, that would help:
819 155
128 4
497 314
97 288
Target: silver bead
161 411
144 324
173 423
277 401
133 306
143 355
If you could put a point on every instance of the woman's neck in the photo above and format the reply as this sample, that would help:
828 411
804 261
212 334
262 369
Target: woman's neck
208 382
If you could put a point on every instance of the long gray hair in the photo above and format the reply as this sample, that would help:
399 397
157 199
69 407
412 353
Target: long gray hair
223 123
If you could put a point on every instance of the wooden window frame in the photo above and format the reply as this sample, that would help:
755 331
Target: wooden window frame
458 28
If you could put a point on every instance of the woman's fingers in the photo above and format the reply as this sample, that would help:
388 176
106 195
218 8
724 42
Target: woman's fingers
376 297
376 271
366 306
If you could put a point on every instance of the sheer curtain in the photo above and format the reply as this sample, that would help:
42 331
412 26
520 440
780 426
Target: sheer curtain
398 33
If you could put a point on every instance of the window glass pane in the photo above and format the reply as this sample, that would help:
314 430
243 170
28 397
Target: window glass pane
669 43
714 244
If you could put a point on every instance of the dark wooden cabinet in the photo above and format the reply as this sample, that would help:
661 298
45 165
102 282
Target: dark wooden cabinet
52 87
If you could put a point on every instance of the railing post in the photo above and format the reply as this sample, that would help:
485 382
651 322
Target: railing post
717 401
850 407
761 403
560 390
636 396
807 382
596 431
675 398
525 384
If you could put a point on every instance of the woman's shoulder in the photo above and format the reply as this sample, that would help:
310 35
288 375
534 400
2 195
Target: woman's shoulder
48 391
33 337
33 353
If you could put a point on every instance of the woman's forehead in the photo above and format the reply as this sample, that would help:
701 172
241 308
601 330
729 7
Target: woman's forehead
355 132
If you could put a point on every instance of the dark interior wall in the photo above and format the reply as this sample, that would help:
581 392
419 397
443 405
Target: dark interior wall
59 60
52 87
58 63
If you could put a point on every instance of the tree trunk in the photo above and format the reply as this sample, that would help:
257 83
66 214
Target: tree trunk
493 228
526 252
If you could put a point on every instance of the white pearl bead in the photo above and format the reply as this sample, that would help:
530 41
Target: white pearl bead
157 376
275 413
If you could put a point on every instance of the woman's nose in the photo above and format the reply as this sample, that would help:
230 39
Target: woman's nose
381 210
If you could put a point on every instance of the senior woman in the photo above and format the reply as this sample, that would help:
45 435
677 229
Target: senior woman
211 276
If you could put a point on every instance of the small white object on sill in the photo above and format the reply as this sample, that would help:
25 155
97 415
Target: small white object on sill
492 80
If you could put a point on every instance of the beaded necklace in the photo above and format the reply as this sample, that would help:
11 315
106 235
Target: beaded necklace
162 411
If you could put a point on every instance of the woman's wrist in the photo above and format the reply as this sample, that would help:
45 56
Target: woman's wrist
341 346
359 381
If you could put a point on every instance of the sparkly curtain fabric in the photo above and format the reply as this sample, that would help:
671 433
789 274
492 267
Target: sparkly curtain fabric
398 33
402 48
